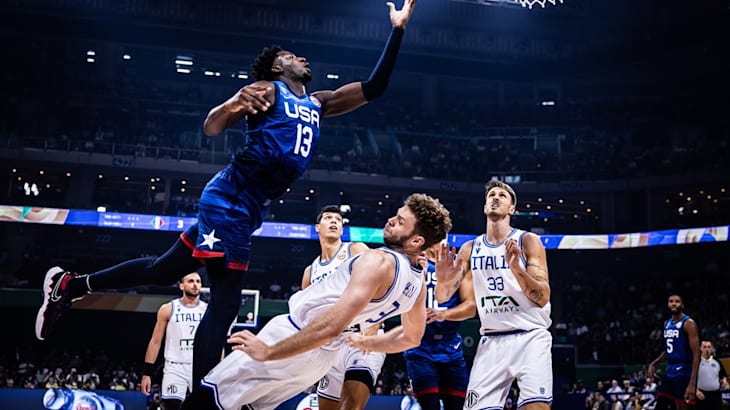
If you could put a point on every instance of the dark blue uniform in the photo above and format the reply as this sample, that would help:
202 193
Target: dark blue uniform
679 360
437 366
281 142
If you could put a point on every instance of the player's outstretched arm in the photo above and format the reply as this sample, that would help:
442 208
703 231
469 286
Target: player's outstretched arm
466 309
251 99
368 272
400 338
354 95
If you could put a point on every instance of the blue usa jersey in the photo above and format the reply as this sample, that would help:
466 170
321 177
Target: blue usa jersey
441 341
281 142
679 354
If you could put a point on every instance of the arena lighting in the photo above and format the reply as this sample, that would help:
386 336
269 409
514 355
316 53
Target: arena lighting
183 70
333 76
548 103
101 208
126 57
242 75
184 60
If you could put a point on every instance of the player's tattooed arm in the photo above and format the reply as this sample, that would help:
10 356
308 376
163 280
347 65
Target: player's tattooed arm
534 278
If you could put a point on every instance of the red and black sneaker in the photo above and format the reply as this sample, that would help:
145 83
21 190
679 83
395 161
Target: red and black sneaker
56 300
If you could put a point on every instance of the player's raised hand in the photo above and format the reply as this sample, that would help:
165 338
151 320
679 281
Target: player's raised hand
250 344
447 269
250 99
399 18
512 253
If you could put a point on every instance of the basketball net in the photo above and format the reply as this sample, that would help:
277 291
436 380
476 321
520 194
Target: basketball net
530 3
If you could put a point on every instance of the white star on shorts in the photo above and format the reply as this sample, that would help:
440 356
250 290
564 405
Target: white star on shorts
209 239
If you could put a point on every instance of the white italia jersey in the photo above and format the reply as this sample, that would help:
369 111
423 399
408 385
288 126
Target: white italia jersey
308 304
181 329
319 270
501 303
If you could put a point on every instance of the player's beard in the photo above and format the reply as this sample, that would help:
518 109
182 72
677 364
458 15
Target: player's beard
678 311
191 294
395 242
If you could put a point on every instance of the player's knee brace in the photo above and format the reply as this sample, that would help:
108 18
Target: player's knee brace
362 376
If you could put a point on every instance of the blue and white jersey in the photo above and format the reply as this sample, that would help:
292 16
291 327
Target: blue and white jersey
441 341
180 332
281 141
319 270
310 303
501 304
676 344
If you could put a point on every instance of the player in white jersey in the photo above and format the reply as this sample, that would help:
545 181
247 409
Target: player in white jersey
348 383
508 268
293 351
177 321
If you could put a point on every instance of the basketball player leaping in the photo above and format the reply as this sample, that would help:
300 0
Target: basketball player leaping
508 269
283 131
293 351
177 322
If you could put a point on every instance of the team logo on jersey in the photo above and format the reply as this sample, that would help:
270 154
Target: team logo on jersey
409 290
472 397
172 389
315 101
499 304
342 256
679 325
209 239
323 383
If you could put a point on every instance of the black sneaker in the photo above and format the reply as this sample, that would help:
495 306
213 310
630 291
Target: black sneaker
56 300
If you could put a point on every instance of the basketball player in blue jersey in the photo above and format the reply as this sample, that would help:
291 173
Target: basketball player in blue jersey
436 367
283 130
177 322
348 383
508 269
682 354
293 351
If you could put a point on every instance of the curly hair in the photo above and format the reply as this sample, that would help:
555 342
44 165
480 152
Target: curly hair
432 218
261 67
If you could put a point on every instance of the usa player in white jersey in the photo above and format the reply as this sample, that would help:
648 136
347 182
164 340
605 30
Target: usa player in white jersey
293 351
508 268
348 383
177 322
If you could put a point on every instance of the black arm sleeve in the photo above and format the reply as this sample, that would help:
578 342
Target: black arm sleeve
375 86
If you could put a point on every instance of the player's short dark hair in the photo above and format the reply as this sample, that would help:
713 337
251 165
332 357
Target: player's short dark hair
432 218
334 209
261 67
499 184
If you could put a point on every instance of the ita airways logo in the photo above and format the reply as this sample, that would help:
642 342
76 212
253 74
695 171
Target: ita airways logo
157 223
309 402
